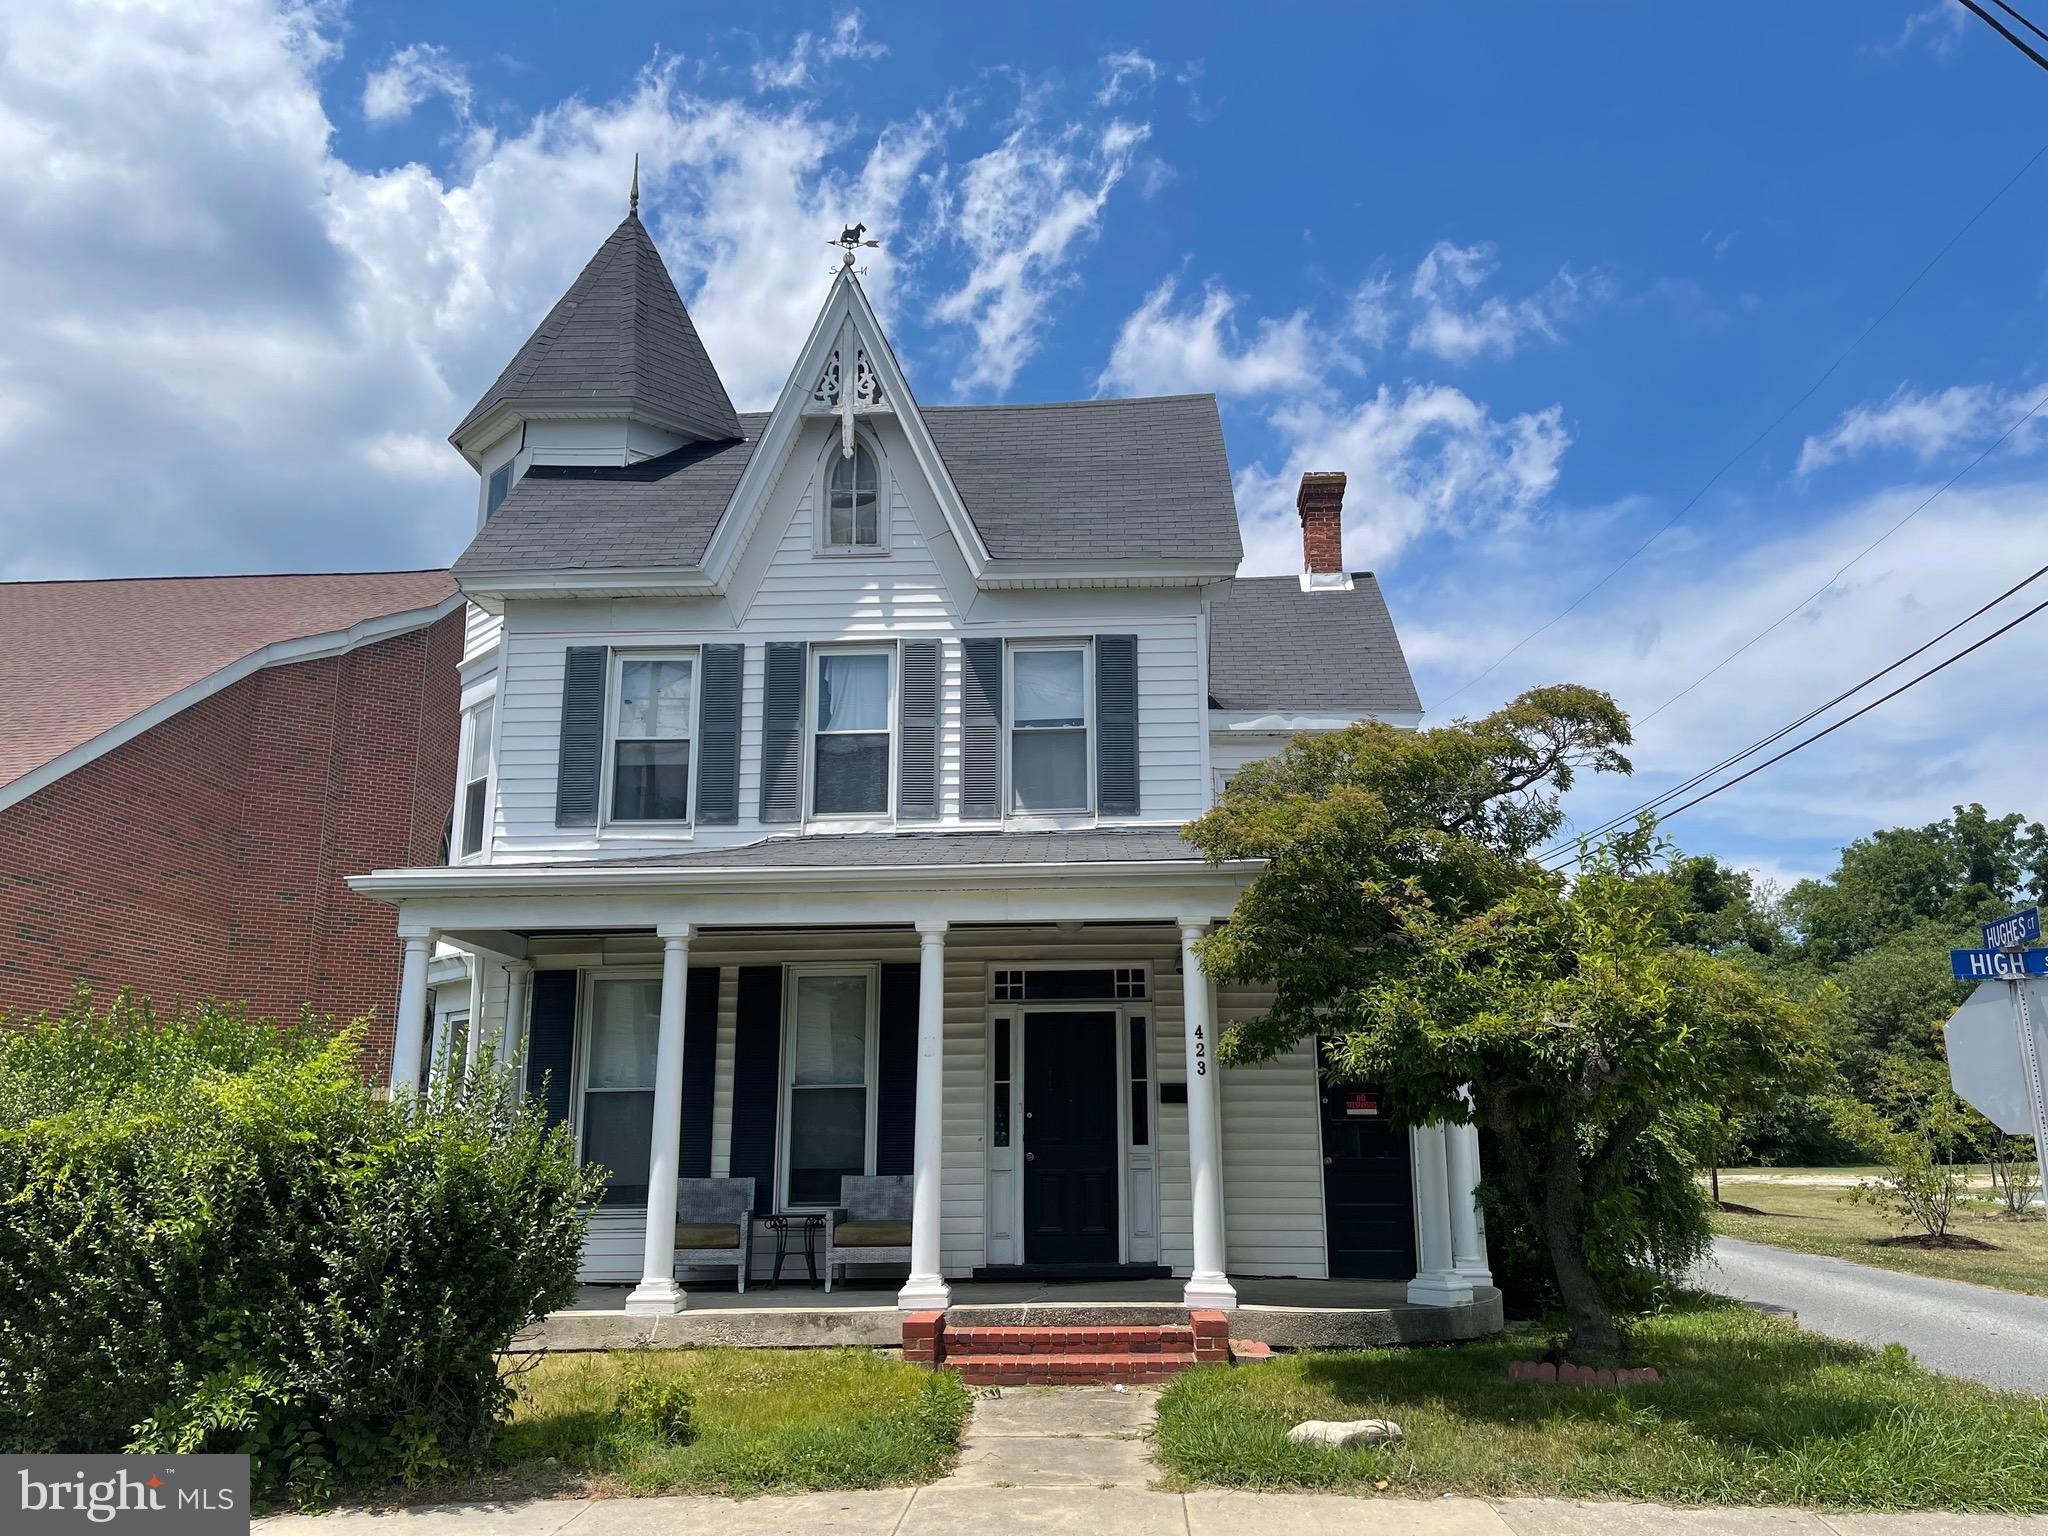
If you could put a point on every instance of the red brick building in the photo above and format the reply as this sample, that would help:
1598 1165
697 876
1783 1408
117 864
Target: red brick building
190 767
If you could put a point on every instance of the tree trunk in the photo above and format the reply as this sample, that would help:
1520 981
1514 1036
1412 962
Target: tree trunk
1715 1174
1594 1339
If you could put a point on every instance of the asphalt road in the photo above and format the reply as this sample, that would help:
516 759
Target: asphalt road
1996 1337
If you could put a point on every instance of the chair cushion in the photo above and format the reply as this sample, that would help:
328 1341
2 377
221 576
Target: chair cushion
871 1234
705 1234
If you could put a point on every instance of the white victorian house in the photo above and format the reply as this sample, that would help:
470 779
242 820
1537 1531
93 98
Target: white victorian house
820 803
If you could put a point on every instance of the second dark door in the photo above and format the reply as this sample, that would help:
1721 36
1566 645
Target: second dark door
1070 1138
1366 1193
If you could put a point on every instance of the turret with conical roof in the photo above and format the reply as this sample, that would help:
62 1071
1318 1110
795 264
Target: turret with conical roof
617 345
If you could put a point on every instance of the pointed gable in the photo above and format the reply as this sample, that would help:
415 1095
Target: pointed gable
620 334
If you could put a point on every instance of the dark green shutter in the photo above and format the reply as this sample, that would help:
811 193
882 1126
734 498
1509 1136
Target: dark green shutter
718 736
917 746
551 1042
756 1080
981 729
1116 725
896 1071
700 1070
582 754
782 731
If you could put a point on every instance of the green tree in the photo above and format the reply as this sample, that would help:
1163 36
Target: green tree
1400 913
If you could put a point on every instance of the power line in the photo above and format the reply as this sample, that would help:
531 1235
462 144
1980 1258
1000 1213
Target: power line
2000 28
1776 422
1843 569
1787 729
1798 746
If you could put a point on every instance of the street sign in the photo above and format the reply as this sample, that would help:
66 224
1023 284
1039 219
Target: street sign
1984 1060
2019 928
1997 1066
1997 964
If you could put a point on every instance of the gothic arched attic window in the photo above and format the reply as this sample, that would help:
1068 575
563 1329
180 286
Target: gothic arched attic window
852 505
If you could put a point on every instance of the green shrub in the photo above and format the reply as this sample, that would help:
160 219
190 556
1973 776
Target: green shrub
662 1408
217 1237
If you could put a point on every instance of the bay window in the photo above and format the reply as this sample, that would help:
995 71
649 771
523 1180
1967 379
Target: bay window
618 1081
850 737
829 1070
653 720
1049 714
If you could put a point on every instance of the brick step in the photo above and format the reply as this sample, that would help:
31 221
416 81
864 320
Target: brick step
980 1370
1059 1341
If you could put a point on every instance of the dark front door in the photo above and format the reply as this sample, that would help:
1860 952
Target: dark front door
1070 1138
1367 1201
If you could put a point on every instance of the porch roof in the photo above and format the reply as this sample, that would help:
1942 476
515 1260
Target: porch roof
892 850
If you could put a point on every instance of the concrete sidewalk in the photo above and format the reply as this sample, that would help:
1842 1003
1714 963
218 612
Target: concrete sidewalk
1076 1459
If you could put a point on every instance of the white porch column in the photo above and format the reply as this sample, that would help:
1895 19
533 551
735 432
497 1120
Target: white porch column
472 1036
409 1028
1207 1286
657 1294
1468 1231
517 973
1437 1282
926 1289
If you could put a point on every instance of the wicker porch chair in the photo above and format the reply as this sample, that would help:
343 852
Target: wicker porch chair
715 1225
871 1224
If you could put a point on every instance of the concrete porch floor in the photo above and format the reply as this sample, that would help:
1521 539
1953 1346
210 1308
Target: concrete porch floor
1289 1313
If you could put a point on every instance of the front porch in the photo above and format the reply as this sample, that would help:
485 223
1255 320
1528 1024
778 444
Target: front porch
1280 1311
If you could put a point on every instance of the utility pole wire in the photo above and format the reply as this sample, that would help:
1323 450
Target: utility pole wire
1787 729
1830 730
1779 420
2000 28
1843 569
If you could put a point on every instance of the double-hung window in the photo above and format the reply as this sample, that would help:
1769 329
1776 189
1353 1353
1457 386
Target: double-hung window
653 719
618 1081
853 518
850 739
1049 714
830 1072
476 777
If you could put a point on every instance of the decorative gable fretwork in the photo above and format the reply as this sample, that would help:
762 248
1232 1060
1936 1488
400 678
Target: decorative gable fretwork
831 397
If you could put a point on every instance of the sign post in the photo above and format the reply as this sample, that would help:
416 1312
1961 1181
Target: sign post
1981 1068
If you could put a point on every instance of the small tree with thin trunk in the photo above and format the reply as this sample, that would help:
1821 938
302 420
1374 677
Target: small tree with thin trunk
1401 914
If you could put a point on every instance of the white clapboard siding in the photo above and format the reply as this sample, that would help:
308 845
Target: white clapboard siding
612 1252
480 632
1272 1157
799 595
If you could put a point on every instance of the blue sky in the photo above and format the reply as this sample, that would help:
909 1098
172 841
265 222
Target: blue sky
1530 275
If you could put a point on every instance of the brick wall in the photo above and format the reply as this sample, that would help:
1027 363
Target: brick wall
206 857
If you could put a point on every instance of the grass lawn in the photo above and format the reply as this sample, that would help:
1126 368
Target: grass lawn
1750 1411
766 1421
1812 1218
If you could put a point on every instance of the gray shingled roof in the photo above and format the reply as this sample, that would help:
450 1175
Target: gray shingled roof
620 332
1124 479
1273 646
929 849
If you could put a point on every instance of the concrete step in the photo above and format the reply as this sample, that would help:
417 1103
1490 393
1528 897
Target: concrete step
1066 1370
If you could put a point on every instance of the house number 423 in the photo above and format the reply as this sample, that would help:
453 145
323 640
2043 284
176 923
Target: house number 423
1201 1052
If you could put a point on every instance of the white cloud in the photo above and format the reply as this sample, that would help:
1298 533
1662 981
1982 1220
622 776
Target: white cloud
1458 325
1938 27
1683 609
810 51
1422 458
414 73
1372 318
1023 211
1163 350
1122 74
1920 424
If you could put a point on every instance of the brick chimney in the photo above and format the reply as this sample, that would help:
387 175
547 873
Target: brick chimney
1321 503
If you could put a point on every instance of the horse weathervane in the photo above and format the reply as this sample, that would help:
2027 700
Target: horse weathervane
851 239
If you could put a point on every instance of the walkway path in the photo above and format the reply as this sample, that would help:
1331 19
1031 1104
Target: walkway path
1996 1337
1075 1461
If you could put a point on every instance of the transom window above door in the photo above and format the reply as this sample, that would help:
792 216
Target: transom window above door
850 738
653 720
1049 715
853 515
